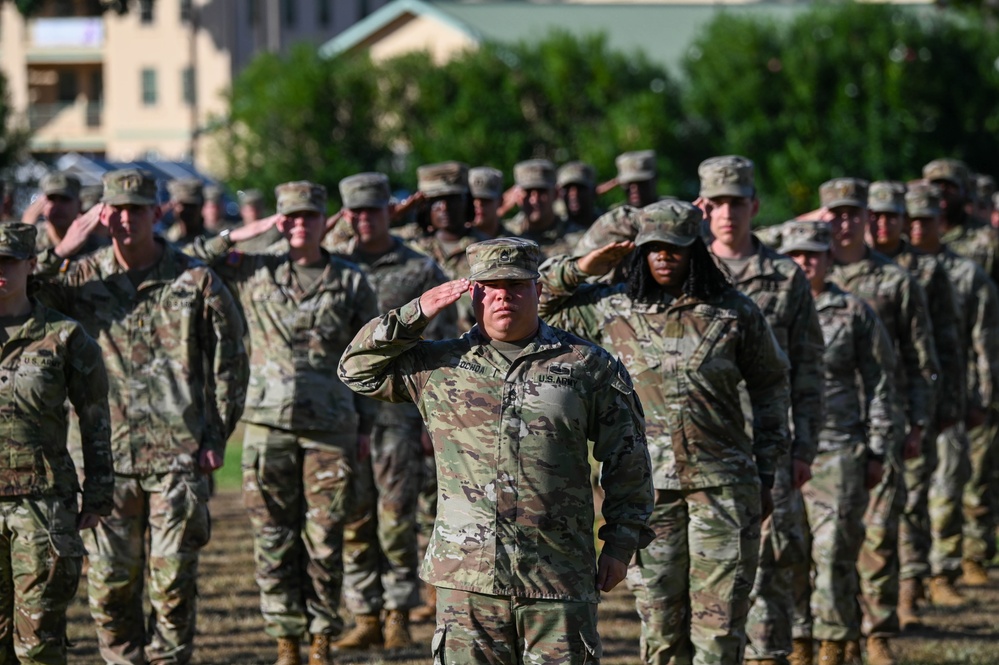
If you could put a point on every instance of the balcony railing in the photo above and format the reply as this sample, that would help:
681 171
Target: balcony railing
80 116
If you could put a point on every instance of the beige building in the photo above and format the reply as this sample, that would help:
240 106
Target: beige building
142 85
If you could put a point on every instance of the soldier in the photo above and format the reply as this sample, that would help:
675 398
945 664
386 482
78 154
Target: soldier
537 220
486 187
90 196
187 198
978 308
304 429
780 290
690 340
577 195
636 174
859 365
213 209
251 205
900 303
985 188
380 544
47 359
61 206
886 202
170 335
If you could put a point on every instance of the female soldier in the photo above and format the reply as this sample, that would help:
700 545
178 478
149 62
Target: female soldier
689 340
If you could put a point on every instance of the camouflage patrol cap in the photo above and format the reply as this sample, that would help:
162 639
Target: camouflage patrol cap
365 190
213 193
985 187
951 170
485 182
886 196
576 173
805 235
300 196
443 179
503 258
674 222
534 174
922 199
90 196
57 183
17 240
636 166
844 192
730 175
187 190
250 197
129 187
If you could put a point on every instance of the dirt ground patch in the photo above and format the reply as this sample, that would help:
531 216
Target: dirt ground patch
230 630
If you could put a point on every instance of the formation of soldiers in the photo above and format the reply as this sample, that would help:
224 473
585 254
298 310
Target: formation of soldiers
794 430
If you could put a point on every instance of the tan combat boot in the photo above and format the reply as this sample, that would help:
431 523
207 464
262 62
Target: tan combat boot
319 654
366 633
879 651
832 653
801 652
288 652
397 630
427 612
851 653
908 613
974 573
943 593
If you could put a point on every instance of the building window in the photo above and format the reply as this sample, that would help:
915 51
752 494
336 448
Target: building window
324 13
186 9
148 87
187 83
145 11
288 13
68 86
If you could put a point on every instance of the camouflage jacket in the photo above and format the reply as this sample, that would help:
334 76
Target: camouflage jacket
615 225
688 359
48 360
978 308
515 516
781 291
947 339
561 238
977 243
455 265
173 351
900 303
859 364
176 235
297 334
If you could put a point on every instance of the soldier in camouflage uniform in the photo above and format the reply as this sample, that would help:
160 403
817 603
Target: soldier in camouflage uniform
690 340
45 360
978 308
858 365
985 189
886 202
61 206
636 175
380 545
900 303
537 220
485 185
171 336
304 429
510 406
780 290
187 198
577 196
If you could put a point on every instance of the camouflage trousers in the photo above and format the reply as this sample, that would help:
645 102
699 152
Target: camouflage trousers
914 537
480 629
380 549
878 560
782 545
692 583
40 559
835 499
296 490
170 512
979 502
945 502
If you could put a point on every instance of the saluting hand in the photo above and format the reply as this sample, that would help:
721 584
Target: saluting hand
434 301
604 259
81 228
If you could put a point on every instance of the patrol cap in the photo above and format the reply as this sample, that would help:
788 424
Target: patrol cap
300 196
674 222
985 187
636 166
250 197
805 235
730 175
57 183
844 192
187 190
365 190
129 187
485 182
17 240
503 258
922 199
213 193
951 170
90 196
534 174
443 179
886 196
576 173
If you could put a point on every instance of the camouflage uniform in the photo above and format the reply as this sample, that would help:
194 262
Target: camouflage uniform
44 362
58 183
515 526
689 358
561 237
299 452
190 192
177 373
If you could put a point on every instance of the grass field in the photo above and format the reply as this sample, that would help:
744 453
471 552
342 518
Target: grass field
230 630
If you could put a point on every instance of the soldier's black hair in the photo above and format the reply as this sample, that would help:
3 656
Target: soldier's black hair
705 281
